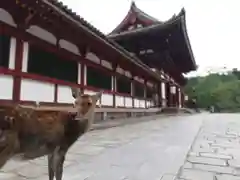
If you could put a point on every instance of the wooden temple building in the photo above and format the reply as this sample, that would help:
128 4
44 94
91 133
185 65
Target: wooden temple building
45 49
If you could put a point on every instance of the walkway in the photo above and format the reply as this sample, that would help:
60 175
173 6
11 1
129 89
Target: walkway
215 154
151 150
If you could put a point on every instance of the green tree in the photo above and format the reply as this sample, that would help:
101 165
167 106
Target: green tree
220 90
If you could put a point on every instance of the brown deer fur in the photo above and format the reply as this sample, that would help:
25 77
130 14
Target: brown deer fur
31 133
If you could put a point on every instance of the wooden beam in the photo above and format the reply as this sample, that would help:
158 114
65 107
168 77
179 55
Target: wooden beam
18 68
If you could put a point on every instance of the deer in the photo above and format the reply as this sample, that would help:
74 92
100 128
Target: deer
29 133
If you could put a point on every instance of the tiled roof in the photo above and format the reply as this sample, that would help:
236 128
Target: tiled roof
76 17
135 12
180 18
141 13
159 25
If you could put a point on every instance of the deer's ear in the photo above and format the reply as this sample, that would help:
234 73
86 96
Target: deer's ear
97 96
76 92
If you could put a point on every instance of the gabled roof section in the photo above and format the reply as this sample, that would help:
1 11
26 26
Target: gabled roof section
66 12
156 26
179 19
132 16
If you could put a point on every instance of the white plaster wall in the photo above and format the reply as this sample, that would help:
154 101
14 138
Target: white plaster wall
152 103
163 90
12 53
65 95
148 104
149 84
6 17
120 70
119 101
93 57
32 90
142 103
107 100
85 75
180 98
6 89
79 73
128 102
89 92
139 103
138 79
173 89
128 74
25 56
164 103
106 64
136 103
69 46
42 34
141 80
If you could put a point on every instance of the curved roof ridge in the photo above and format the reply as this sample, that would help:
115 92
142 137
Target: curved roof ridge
134 11
140 12
159 24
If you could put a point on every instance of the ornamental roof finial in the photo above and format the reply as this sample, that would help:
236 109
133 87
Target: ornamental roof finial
133 4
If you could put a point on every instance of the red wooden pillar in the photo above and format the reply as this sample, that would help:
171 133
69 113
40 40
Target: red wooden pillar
82 76
83 69
155 95
170 95
177 96
159 91
18 69
114 89
145 92
174 94
167 91
132 91
56 85
183 99
180 96
114 84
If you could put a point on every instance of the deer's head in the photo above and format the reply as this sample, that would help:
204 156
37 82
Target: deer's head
85 104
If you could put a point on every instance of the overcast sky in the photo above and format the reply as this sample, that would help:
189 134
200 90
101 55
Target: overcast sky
213 25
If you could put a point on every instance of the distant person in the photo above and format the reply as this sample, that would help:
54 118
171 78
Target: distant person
212 109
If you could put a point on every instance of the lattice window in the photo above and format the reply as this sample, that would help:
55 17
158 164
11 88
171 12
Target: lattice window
98 79
48 64
4 50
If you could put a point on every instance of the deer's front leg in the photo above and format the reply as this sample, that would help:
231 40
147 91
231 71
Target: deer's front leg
59 158
50 167
9 145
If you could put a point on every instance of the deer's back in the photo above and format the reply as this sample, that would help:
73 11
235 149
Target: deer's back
34 130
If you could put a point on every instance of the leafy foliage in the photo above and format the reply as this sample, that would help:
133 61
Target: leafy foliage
219 90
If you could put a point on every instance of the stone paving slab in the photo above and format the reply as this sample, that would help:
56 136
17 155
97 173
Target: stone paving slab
215 154
151 150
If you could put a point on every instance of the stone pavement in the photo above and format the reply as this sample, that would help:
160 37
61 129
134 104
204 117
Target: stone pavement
151 150
215 155
133 120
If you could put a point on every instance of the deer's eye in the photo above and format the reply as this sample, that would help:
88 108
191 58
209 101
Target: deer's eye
86 104
89 104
